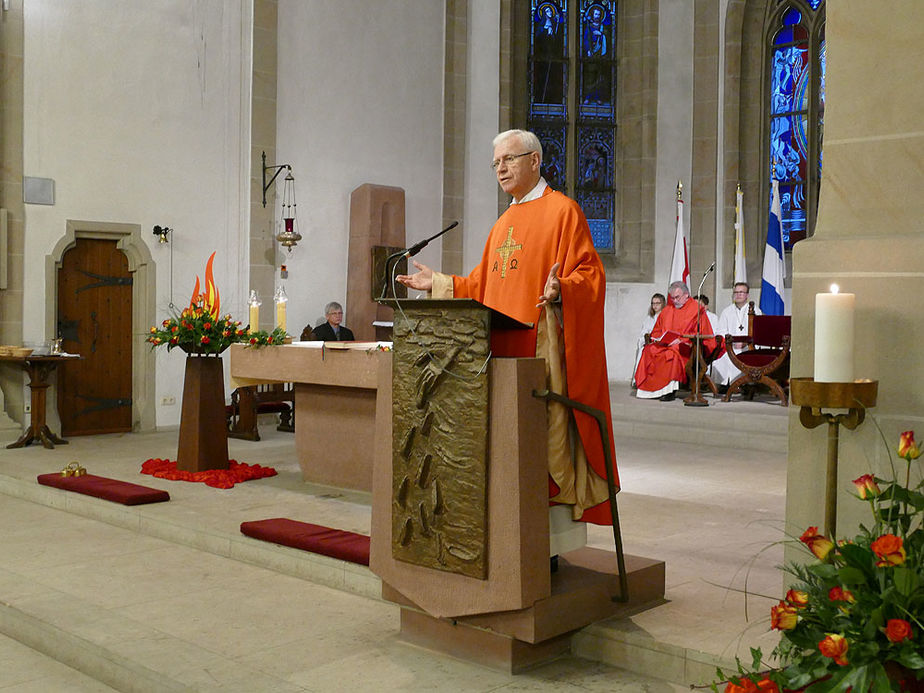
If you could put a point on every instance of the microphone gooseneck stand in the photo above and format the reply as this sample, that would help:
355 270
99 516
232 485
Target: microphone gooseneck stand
409 253
696 399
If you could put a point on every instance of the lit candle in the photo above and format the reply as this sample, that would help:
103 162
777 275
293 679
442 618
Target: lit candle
254 311
834 337
281 315
281 300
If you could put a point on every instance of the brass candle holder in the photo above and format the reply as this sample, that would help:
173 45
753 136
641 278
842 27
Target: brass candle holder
856 397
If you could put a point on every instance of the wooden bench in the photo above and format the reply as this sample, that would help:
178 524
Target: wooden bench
247 403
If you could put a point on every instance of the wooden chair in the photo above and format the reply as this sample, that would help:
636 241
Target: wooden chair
247 403
766 360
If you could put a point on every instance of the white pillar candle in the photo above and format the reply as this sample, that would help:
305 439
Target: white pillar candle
254 317
281 315
834 337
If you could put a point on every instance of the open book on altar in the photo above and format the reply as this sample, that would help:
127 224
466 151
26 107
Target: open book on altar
345 346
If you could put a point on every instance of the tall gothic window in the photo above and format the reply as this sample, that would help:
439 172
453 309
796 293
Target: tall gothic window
572 104
796 59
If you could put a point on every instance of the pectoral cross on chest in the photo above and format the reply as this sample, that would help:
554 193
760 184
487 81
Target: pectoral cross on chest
505 250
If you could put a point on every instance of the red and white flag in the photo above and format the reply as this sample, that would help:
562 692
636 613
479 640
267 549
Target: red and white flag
680 263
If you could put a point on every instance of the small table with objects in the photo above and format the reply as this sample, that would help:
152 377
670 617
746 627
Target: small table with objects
39 369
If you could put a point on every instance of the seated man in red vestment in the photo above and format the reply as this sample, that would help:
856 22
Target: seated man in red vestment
662 366
540 266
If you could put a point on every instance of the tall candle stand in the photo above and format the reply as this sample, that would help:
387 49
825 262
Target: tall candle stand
856 397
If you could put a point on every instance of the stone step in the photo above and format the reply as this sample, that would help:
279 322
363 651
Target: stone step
79 629
761 424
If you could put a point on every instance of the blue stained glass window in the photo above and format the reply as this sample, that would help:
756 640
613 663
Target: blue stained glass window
548 66
791 103
597 64
595 158
814 4
792 206
550 30
598 208
554 161
821 99
578 138
789 78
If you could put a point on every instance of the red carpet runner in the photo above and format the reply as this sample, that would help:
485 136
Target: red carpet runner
217 478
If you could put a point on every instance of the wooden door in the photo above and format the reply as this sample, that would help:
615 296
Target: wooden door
95 321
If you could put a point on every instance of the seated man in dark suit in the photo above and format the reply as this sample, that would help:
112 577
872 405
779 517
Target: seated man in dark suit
330 331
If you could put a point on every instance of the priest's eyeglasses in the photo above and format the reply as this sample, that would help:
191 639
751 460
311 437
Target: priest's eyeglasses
508 160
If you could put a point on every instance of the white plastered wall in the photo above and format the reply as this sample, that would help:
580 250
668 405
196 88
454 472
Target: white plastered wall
359 100
627 303
135 111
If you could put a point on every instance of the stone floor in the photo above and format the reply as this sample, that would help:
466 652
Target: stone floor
171 597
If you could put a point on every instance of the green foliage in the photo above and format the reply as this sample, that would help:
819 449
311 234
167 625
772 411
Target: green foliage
860 611
196 330
264 338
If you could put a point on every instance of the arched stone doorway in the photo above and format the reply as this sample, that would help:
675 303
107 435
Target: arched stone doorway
141 265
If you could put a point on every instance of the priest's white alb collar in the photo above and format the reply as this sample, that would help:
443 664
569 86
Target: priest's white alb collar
533 194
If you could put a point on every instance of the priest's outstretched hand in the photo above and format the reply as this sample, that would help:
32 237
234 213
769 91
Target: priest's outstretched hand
422 280
552 289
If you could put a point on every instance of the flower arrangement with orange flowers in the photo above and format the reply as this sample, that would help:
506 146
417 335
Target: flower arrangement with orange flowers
196 330
854 619
201 329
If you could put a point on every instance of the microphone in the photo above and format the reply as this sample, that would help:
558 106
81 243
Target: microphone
411 252
417 247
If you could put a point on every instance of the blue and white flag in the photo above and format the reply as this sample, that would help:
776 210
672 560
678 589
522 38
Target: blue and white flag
771 288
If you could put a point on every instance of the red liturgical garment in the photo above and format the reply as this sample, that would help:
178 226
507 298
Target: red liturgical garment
662 363
527 240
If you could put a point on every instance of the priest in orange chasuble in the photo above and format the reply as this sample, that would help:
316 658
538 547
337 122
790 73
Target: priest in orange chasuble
662 366
540 266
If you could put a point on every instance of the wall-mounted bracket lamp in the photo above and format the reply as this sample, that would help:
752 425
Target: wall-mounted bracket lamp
277 169
161 233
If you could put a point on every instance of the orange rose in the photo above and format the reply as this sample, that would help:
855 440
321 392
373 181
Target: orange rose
748 686
783 616
834 647
797 598
907 448
819 545
898 629
889 549
866 486
838 594
153 330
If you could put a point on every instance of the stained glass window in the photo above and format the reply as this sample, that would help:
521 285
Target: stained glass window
796 107
572 104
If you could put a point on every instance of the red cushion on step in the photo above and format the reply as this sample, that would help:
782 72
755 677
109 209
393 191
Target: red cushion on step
107 489
336 543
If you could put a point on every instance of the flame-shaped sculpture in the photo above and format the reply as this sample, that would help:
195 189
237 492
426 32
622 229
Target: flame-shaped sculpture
210 298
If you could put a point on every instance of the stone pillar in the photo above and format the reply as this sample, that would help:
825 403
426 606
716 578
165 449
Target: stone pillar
868 240
376 218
